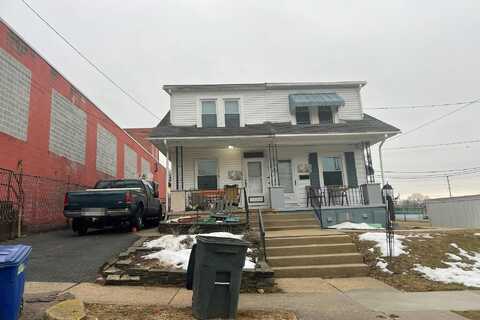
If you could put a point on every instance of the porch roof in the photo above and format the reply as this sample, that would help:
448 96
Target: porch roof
368 126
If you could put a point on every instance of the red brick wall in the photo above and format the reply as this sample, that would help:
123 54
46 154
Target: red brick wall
34 152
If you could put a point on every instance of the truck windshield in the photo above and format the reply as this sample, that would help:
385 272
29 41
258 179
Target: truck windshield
108 184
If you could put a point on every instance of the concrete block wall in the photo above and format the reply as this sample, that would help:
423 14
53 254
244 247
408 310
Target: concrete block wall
45 120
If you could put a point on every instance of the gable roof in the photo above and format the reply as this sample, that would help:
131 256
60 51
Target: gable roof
368 124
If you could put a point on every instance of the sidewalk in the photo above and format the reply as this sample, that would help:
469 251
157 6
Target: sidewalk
311 299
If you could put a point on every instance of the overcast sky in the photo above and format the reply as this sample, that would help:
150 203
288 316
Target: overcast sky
410 52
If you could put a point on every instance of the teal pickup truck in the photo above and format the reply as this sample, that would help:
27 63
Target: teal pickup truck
114 203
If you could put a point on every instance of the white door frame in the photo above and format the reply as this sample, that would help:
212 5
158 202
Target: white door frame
254 199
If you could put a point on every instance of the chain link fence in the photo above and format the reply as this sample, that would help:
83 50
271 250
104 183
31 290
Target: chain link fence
36 201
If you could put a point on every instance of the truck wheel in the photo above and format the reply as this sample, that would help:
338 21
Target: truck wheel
137 219
79 226
82 229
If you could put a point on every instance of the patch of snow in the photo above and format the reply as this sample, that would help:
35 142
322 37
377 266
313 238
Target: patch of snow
453 257
382 264
381 240
460 272
371 249
174 258
171 242
476 234
419 235
176 249
351 225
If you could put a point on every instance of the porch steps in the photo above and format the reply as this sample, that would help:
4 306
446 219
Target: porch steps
304 240
315 259
283 217
311 249
323 271
297 248
292 227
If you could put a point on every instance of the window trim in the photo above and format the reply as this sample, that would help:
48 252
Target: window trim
196 171
339 155
307 112
201 112
225 100
332 115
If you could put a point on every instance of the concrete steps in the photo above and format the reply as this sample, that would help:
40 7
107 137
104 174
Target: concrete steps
311 249
304 240
293 216
315 259
292 227
298 248
291 222
323 271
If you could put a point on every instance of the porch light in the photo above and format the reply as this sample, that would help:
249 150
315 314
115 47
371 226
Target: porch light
231 147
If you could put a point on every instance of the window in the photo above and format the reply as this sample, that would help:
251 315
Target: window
332 171
232 114
285 175
209 114
303 115
325 115
207 174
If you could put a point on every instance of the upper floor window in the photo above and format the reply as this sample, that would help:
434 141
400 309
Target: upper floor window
302 115
209 114
232 114
325 115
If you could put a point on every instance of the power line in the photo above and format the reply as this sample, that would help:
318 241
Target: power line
93 65
425 106
436 119
436 171
434 145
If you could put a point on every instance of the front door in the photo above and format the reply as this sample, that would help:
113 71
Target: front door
286 179
255 181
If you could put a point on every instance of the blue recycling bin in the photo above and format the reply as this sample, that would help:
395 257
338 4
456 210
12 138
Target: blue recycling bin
13 261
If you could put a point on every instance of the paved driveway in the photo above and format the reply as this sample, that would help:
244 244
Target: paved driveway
63 256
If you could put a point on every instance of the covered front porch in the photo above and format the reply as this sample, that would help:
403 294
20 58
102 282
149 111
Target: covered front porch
284 173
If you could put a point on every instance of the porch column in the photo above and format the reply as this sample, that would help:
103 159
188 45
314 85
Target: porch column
166 175
178 168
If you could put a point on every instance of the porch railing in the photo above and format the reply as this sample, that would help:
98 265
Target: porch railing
261 229
230 200
332 196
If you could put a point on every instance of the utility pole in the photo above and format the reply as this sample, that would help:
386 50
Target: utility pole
449 186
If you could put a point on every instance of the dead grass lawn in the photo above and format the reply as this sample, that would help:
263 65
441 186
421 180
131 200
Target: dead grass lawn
125 312
427 252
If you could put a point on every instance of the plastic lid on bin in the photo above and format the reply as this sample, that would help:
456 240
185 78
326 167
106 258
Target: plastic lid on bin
13 255
222 240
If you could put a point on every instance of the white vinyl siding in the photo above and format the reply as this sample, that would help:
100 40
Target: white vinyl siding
232 159
227 160
257 106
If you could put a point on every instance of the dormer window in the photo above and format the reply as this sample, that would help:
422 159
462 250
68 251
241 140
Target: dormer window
325 115
232 114
302 115
209 114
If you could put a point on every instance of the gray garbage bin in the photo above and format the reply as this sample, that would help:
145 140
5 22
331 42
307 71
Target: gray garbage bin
217 277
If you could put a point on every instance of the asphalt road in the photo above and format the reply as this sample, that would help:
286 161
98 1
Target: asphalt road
63 256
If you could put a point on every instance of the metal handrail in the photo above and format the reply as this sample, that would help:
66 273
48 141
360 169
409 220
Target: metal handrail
247 211
262 233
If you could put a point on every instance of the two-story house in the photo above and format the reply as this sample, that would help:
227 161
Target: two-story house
272 136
